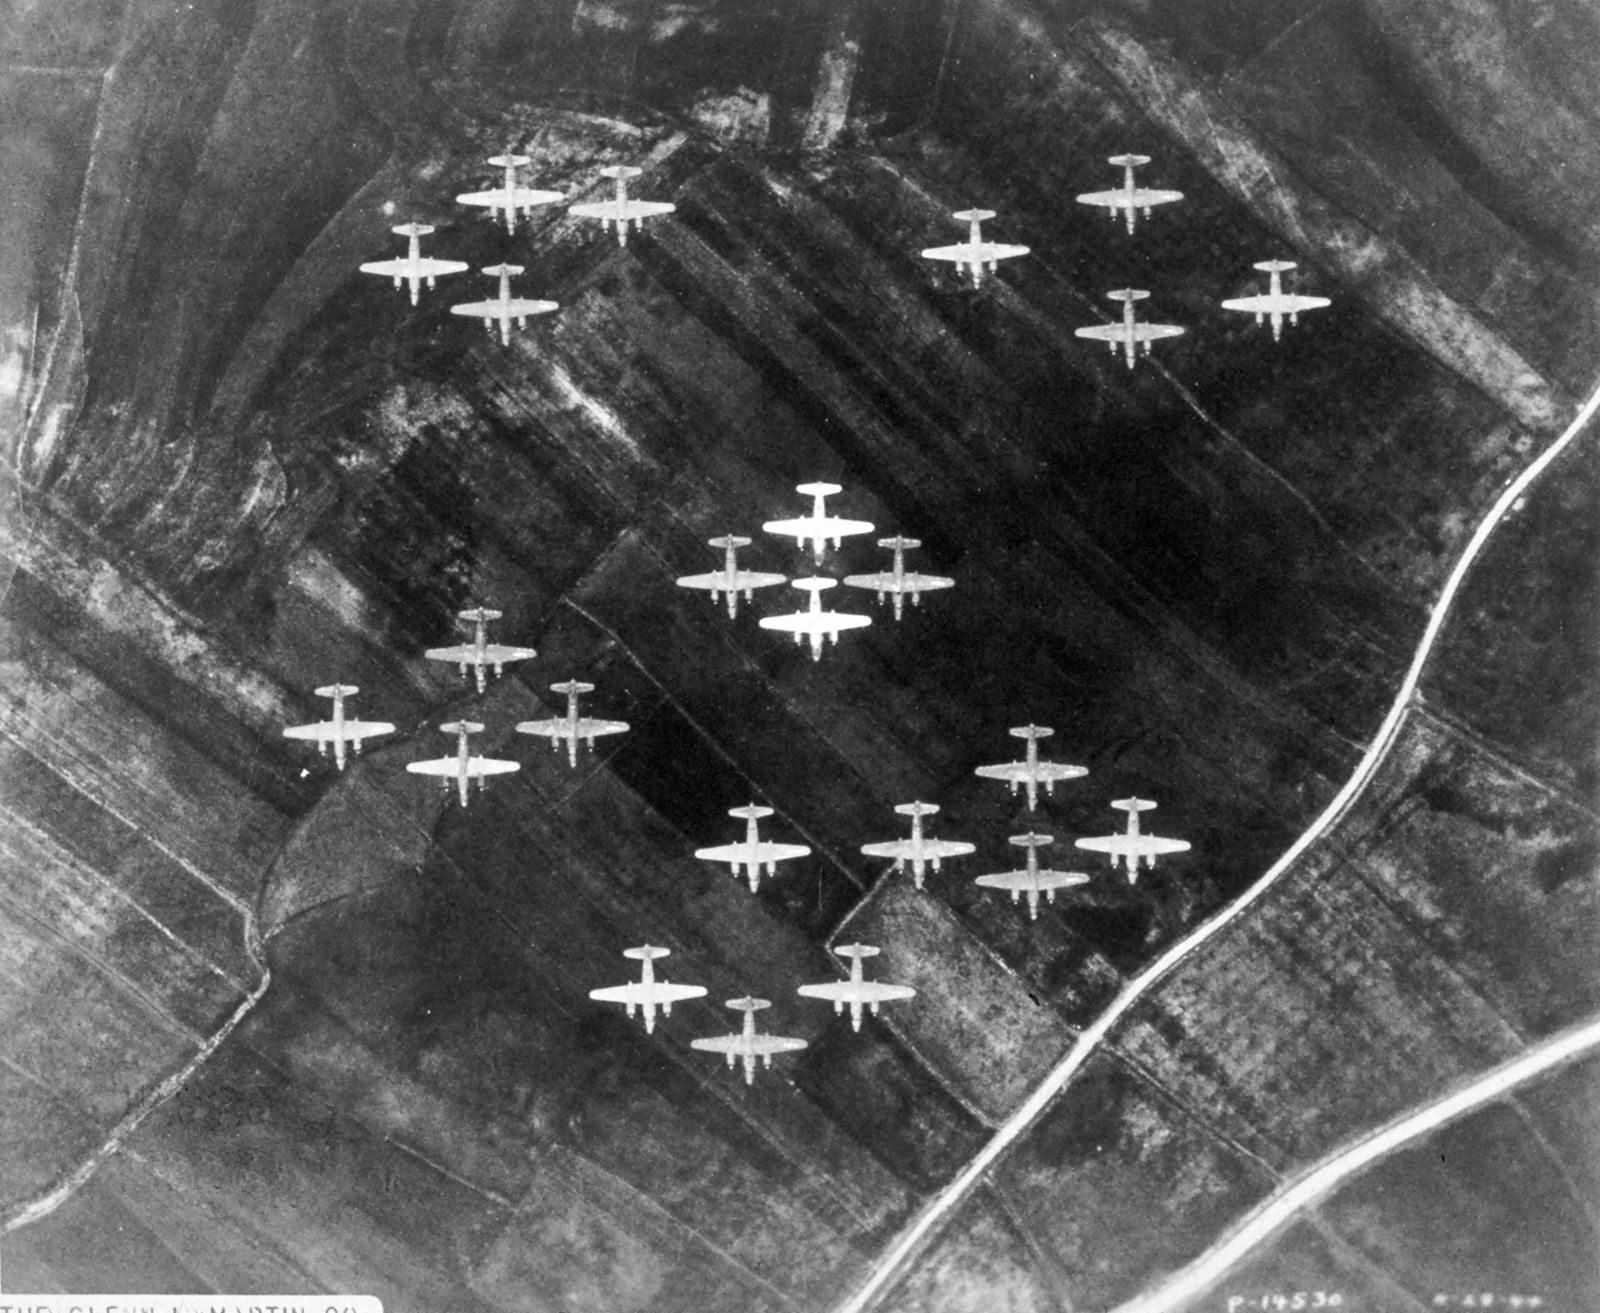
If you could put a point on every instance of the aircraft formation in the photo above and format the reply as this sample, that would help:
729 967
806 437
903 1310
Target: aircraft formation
817 530
512 202
754 856
974 258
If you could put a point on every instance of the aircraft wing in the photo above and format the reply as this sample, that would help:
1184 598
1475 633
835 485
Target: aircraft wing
1025 880
763 1045
627 212
592 729
479 766
905 850
638 994
1153 845
1020 771
451 767
1111 200
426 267
1289 303
494 654
765 851
888 582
742 580
1153 332
967 253
438 766
1144 197
858 991
802 621
322 733
515 308
1115 844
522 197
1103 332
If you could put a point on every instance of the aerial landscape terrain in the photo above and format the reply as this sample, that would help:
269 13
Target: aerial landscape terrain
1333 601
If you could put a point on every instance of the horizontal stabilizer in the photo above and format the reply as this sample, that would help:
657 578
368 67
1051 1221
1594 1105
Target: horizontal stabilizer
1129 161
916 808
748 1004
479 614
814 584
509 161
1133 804
461 727
1128 294
620 171
1276 266
497 270
729 540
973 216
337 691
819 489
857 950
1032 840
750 812
412 229
571 686
646 952
1031 732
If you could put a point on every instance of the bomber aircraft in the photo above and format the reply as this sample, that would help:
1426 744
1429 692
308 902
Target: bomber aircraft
730 581
510 198
1131 333
896 582
1276 303
1031 880
463 766
1129 198
858 991
1031 772
974 256
413 268
647 993
572 728
480 654
505 309
1132 846
755 854
819 528
815 624
919 851
339 731
620 210
747 1045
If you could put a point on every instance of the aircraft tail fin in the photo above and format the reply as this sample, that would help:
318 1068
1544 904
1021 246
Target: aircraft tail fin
973 216
748 1004
1128 294
1128 161
916 808
1275 266
509 161
336 691
857 950
814 584
898 544
412 229
1133 804
1034 732
1032 840
646 952
461 727
479 614
729 540
571 686
620 171
502 270
750 811
818 489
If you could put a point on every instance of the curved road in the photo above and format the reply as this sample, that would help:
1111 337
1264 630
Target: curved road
933 1214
